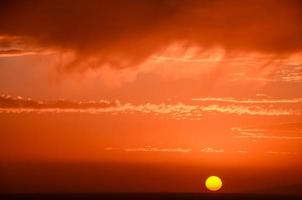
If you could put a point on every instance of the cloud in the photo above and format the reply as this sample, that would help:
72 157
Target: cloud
13 52
18 52
109 148
281 153
286 70
248 101
248 110
9 102
12 46
211 150
267 134
189 150
157 149
176 111
125 33
270 137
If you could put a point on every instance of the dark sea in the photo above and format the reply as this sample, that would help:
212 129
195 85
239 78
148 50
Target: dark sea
145 196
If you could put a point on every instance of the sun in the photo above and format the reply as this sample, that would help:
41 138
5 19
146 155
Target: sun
213 183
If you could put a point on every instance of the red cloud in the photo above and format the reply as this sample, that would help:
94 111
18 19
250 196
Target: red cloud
125 32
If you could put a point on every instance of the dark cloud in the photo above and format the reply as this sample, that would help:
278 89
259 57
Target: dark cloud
126 32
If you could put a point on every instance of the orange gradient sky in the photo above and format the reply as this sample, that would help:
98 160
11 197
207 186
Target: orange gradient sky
114 95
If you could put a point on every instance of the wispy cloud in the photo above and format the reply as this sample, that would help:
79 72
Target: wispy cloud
9 102
15 52
249 110
156 149
248 101
261 134
211 150
110 148
178 111
287 70
281 153
12 46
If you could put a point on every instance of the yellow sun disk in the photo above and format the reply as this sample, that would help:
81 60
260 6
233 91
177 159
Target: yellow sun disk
213 183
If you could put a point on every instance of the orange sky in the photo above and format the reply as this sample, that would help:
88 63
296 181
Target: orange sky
147 92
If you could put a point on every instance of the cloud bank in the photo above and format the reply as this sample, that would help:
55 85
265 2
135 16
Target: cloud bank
124 33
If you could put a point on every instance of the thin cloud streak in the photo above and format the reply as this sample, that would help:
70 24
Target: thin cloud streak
174 111
151 149
281 153
261 134
211 150
157 149
269 137
248 101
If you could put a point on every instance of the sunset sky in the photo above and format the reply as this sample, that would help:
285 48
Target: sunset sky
150 95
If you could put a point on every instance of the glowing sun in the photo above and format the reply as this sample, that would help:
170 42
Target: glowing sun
213 183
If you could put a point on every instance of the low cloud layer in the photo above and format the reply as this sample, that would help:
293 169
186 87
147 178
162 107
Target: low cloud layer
176 111
125 33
